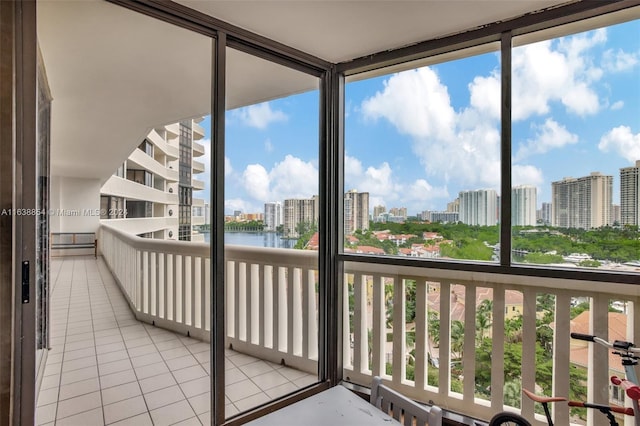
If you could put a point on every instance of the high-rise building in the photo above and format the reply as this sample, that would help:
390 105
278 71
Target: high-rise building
207 214
454 206
356 211
523 205
479 207
378 210
616 216
545 213
157 181
583 202
272 216
299 211
630 195
442 217
399 211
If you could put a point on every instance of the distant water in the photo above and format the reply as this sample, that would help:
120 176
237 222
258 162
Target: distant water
255 239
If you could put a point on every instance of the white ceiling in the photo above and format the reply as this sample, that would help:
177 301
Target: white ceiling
114 74
340 30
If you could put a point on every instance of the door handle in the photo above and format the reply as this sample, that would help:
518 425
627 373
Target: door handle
25 281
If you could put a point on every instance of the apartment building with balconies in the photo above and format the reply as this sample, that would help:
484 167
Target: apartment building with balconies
154 193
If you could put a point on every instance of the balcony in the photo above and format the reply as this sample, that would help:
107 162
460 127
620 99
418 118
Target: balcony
197 184
106 366
198 149
272 315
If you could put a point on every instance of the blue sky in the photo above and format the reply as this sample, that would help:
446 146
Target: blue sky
415 139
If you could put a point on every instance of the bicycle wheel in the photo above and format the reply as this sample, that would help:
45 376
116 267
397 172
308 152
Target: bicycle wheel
508 419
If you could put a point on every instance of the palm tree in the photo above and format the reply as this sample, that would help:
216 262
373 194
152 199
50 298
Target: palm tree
433 328
457 338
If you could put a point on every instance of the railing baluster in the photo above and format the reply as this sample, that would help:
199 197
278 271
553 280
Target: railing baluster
379 328
421 344
192 299
598 380
312 315
346 323
444 352
497 353
269 290
304 312
174 288
242 302
203 294
138 282
398 367
290 310
528 349
207 294
469 357
561 359
254 305
359 325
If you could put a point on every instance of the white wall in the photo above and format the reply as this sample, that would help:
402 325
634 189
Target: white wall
75 204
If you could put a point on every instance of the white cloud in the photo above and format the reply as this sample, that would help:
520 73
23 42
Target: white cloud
548 136
617 105
293 178
259 115
290 178
415 102
619 61
228 168
386 189
234 204
526 175
268 146
548 72
255 179
485 94
622 141
463 146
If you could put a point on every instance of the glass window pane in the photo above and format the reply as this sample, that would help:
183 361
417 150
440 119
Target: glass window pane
576 150
271 207
422 161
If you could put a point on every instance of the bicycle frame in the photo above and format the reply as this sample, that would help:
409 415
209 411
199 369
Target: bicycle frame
627 353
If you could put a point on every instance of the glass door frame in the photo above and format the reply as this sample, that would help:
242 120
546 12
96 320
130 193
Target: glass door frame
19 194
226 35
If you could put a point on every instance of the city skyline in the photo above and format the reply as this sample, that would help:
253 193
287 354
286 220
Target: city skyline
419 137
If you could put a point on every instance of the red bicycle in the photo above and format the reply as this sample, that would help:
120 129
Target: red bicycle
627 352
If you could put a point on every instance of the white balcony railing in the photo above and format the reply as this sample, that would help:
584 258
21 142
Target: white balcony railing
272 313
271 296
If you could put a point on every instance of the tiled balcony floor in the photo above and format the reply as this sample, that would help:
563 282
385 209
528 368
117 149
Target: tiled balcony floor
105 367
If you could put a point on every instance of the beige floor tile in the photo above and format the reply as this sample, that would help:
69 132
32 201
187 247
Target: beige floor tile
124 409
157 382
151 370
201 403
241 390
252 401
181 362
269 380
118 378
46 414
196 387
120 392
143 419
170 414
79 404
189 373
162 397
79 388
87 418
78 375
114 367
